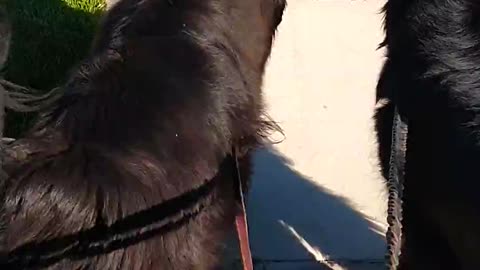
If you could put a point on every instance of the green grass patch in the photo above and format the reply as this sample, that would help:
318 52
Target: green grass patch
49 38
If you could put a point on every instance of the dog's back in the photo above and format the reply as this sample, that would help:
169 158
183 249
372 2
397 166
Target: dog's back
131 169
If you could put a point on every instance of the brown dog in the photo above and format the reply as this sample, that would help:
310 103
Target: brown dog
132 169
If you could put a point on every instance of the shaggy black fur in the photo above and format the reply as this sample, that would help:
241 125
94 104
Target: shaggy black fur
432 73
144 135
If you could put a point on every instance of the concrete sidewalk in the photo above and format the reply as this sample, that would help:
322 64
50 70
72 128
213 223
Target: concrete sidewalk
318 195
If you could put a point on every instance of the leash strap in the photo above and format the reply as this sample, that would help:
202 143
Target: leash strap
241 220
395 184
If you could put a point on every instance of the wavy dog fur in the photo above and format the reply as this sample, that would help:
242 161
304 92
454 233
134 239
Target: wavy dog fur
144 133
432 73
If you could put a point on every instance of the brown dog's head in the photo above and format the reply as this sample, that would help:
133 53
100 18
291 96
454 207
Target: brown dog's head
145 119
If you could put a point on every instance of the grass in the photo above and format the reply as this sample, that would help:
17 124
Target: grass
49 38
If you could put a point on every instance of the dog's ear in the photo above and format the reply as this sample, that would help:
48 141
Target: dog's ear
5 35
280 6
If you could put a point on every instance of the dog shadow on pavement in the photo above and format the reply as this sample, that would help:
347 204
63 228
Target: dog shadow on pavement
296 224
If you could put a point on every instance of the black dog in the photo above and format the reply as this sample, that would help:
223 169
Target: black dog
432 75
133 167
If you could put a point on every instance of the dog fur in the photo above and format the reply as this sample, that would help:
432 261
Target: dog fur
144 131
432 74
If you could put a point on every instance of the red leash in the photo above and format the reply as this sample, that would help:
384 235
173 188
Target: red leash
242 231
241 222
